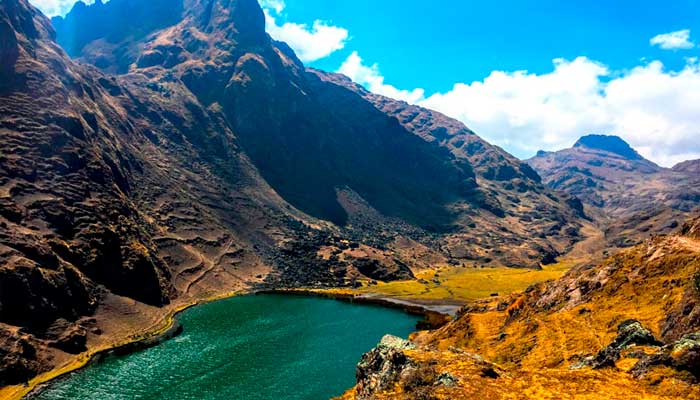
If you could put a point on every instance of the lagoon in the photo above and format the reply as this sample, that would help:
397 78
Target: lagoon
249 348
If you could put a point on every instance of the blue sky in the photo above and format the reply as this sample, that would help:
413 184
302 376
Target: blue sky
437 43
526 75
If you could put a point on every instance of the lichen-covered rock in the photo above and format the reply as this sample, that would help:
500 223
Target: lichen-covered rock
382 367
446 379
683 356
629 333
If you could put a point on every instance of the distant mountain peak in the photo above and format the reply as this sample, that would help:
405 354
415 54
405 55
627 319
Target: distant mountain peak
611 144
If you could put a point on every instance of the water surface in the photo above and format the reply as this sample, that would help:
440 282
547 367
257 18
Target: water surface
252 347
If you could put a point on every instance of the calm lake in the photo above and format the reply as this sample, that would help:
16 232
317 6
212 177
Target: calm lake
254 347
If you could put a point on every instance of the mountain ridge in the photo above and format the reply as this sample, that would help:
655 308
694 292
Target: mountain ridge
631 197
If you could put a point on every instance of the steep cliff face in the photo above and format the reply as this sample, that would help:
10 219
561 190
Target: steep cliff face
196 157
505 187
629 196
306 141
627 328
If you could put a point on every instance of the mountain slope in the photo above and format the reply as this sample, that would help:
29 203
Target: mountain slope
110 182
214 162
630 197
312 139
505 187
627 328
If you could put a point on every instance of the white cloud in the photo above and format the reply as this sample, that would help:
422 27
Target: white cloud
673 41
374 81
276 5
53 8
657 111
309 43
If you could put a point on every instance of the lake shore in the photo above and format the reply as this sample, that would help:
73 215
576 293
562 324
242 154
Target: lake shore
165 329
435 314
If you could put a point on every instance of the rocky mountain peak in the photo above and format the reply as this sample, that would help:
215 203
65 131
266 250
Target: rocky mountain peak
19 18
611 144
244 18
120 35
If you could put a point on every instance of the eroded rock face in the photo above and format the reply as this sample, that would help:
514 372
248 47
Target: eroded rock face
691 229
18 361
9 48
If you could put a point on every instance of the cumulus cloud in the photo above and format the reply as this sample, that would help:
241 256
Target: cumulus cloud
673 41
656 110
310 43
56 7
370 76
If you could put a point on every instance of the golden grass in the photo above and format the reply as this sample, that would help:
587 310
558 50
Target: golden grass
547 330
466 284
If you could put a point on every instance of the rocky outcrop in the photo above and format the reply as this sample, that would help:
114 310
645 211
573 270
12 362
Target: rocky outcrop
387 366
682 355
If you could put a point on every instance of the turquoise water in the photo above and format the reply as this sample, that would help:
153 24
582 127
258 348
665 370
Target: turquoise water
254 347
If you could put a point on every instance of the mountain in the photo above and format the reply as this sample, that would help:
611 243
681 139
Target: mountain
629 196
183 155
627 328
689 167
